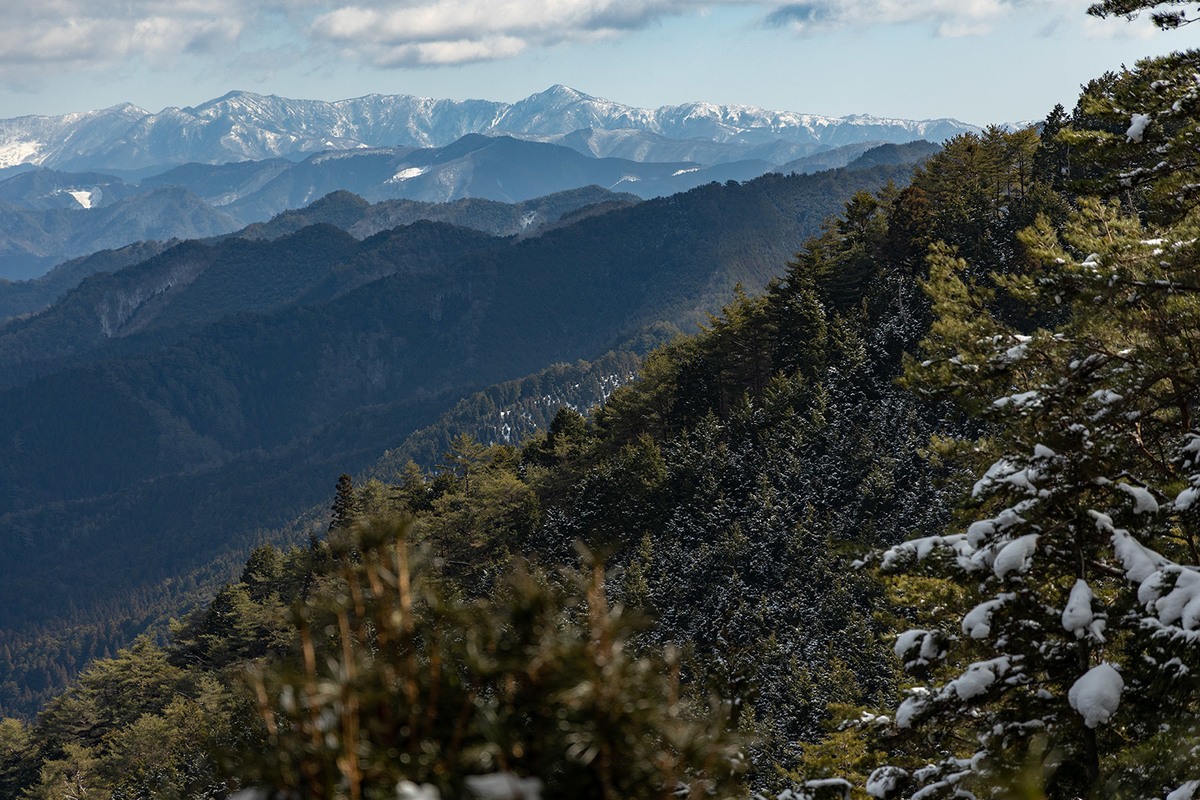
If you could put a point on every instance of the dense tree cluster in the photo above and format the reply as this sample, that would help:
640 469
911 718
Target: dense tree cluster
1062 659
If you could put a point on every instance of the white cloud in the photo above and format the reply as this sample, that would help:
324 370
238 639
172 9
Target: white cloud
1117 29
53 36
42 37
456 31
441 51
384 33
946 18
953 29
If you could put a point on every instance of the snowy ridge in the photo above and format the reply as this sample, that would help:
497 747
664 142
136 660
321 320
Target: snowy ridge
244 125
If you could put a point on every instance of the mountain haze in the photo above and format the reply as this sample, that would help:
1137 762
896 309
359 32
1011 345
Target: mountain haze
33 241
498 168
48 216
340 209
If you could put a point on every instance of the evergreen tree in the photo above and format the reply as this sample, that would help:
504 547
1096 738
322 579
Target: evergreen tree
18 757
412 490
464 460
858 231
262 572
74 775
1137 134
797 319
1166 20
538 681
1052 161
909 225
1080 561
345 504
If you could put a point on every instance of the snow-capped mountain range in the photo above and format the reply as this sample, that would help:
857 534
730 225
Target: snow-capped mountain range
246 126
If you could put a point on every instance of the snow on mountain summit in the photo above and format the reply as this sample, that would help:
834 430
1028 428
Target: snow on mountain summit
244 125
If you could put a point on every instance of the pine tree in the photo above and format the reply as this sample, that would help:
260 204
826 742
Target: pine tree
798 323
539 679
859 230
1135 136
345 504
1131 8
18 757
464 460
412 490
1081 637
909 225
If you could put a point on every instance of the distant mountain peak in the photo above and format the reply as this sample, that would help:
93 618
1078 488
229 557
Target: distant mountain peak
126 108
557 97
562 91
234 93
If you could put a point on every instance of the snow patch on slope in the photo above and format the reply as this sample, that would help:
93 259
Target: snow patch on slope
407 174
84 198
14 153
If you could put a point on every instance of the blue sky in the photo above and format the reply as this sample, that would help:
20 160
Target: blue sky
976 60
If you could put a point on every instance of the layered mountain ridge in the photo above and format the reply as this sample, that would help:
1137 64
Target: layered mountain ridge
145 403
39 227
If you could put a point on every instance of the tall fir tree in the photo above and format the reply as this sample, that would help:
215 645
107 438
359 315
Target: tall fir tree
345 504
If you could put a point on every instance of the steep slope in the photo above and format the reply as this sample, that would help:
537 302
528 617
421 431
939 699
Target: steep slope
498 168
907 153
638 145
42 189
189 533
363 219
19 298
60 140
220 184
861 156
561 109
833 158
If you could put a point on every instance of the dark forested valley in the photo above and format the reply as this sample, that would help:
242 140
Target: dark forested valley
146 395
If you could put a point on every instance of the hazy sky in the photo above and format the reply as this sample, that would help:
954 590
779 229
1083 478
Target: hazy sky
976 60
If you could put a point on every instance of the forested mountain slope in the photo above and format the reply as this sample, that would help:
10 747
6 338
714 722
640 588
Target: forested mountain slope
501 168
726 489
18 298
45 221
361 218
188 533
148 306
917 520
33 241
43 189
198 418
500 314
340 209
